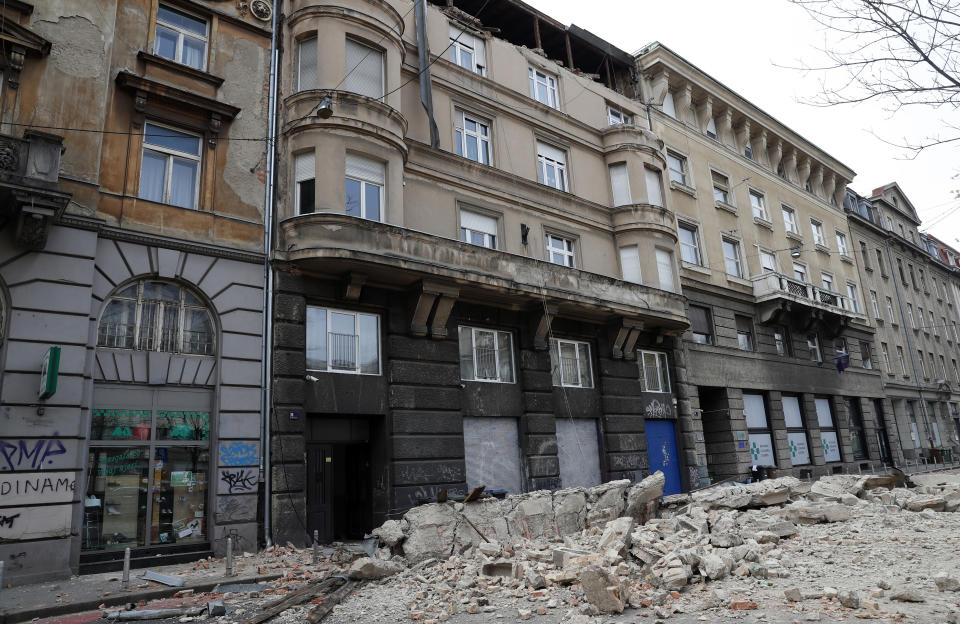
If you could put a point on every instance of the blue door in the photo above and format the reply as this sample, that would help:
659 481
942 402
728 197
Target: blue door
662 453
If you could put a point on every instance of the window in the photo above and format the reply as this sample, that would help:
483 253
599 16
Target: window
551 166
902 235
923 365
677 167
156 316
956 370
343 342
885 351
858 437
307 75
560 250
865 255
799 272
473 138
748 149
923 281
946 334
893 317
364 187
620 183
654 376
920 318
668 105
654 186
813 343
913 277
744 333
901 361
866 355
768 261
478 229
467 51
181 37
712 128
616 117
883 269
781 339
689 244
170 171
759 206
828 431
842 243
853 297
700 325
758 430
304 171
875 304
665 270
933 324
933 364
486 355
731 257
630 264
796 431
363 70
903 278
543 87
721 187
943 367
790 219
913 323
570 362
817 228
827 281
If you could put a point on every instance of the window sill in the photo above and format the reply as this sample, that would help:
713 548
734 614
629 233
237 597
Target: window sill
879 321
342 372
695 267
683 188
821 248
733 279
794 236
763 223
868 269
846 258
180 68
719 205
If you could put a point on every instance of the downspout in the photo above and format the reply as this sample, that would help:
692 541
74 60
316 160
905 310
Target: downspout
266 366
426 82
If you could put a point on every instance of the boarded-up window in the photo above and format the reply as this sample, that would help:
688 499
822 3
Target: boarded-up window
491 449
363 68
578 452
701 327
620 183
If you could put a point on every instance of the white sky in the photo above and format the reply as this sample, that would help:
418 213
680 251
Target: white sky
749 45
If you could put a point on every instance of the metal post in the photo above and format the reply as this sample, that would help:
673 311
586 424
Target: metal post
126 568
316 547
229 556
1 575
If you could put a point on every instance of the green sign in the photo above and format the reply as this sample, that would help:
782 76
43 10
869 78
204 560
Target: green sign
49 371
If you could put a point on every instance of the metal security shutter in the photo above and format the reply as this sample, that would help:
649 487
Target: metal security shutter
363 68
492 453
305 167
699 320
360 168
620 183
578 452
307 74
478 222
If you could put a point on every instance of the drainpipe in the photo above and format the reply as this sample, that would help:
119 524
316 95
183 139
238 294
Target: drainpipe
906 332
266 366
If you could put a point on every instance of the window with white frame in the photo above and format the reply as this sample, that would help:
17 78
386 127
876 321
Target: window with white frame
842 243
152 315
943 367
654 373
827 281
768 261
364 187
560 250
689 243
933 324
923 365
543 87
620 184
170 170
913 322
478 229
654 186
630 264
828 431
486 355
875 303
721 187
551 166
781 339
943 323
813 344
817 228
866 355
893 317
799 272
797 439
853 297
307 73
677 167
304 171
920 318
731 257
181 37
616 117
712 128
472 137
701 326
885 351
363 70
467 51
570 363
665 270
759 205
744 332
901 361
956 370
340 341
789 219
668 105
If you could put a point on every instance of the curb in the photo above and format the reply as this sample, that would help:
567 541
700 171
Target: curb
44 611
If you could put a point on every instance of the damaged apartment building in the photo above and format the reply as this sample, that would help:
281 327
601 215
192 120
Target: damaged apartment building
131 281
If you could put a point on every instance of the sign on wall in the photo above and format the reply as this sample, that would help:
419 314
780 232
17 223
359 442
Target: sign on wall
49 372
831 446
761 450
799 451
239 453
37 488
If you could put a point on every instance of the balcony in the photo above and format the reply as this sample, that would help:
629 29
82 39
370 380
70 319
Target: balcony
781 298
30 196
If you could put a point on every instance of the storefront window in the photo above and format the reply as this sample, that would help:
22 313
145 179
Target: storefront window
183 425
115 504
179 492
120 424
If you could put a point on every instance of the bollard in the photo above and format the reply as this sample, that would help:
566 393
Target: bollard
229 556
126 568
316 547
1 575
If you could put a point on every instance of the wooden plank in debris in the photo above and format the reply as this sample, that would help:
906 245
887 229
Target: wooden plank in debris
294 598
330 601
475 493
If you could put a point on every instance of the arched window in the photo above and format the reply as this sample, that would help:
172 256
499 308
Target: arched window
156 316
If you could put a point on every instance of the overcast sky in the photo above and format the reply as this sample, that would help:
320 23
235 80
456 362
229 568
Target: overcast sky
748 45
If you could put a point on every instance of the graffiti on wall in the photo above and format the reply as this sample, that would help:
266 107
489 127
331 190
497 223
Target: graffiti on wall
37 488
29 454
239 453
23 523
238 480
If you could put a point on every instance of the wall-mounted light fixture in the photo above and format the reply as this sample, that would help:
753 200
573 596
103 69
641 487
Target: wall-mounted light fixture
325 108
795 252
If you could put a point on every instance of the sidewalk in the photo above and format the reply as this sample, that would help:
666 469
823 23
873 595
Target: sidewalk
88 592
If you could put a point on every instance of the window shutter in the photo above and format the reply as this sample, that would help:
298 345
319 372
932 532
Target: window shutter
665 270
630 264
552 153
363 68
307 74
654 188
479 55
305 167
364 169
466 353
478 222
699 320
620 183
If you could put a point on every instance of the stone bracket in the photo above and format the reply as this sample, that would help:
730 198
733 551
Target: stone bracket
353 286
541 338
439 299
626 340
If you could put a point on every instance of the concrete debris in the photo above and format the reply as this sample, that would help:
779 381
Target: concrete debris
367 568
166 579
908 594
945 582
602 589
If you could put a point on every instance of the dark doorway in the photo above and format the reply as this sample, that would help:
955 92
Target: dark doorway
339 492
883 442
858 438
723 447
